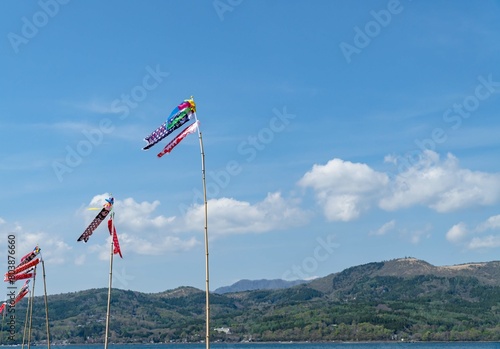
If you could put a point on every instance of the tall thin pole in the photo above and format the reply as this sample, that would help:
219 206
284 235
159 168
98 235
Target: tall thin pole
46 305
31 309
109 288
26 321
3 318
207 294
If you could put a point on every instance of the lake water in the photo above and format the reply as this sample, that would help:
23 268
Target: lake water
338 345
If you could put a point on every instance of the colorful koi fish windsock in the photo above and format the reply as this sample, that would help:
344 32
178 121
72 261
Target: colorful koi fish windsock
171 145
97 220
30 256
28 274
178 117
112 231
25 269
22 292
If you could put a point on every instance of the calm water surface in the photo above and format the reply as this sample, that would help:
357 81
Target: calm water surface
339 345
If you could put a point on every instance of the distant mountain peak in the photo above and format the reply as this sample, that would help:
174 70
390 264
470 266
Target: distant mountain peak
487 273
182 291
262 284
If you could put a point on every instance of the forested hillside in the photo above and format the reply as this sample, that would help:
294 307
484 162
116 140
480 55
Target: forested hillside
399 299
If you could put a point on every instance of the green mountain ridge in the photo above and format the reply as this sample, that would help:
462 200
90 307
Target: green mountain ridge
403 298
262 284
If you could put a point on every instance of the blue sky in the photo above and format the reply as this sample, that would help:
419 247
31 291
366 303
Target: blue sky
336 134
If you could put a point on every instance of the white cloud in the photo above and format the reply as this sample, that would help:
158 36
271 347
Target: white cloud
145 245
491 223
229 216
141 230
53 249
160 245
441 185
385 228
489 241
344 189
391 159
460 234
131 215
457 233
138 216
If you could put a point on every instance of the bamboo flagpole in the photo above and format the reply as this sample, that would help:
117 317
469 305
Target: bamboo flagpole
31 309
26 321
106 211
106 338
3 321
46 305
207 280
179 116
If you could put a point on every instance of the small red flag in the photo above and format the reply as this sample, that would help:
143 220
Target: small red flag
112 231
